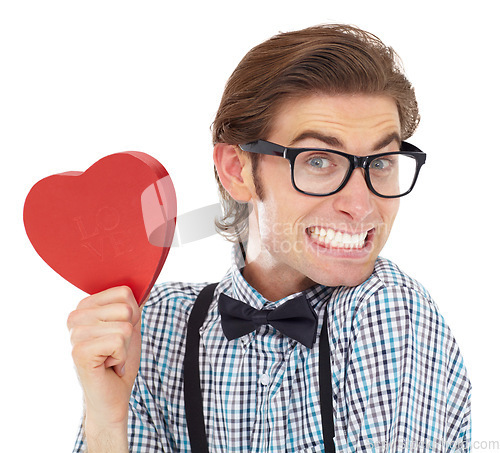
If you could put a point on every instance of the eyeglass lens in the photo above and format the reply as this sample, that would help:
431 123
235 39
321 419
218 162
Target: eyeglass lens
322 173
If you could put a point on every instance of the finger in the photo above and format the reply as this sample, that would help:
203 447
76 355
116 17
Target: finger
117 366
110 296
89 356
118 312
83 333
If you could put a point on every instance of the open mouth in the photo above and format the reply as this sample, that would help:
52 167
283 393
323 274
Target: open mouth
334 239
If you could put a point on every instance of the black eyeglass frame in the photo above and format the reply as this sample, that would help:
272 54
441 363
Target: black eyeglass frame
273 149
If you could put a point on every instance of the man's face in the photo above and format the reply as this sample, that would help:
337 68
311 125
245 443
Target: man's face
287 224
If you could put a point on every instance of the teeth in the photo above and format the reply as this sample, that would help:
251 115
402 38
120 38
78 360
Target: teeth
337 239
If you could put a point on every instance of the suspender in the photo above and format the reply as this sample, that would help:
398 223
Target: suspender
192 390
325 387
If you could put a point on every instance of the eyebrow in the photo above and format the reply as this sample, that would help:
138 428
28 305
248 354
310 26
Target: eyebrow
393 137
334 142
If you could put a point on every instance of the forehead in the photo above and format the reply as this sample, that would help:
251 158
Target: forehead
351 119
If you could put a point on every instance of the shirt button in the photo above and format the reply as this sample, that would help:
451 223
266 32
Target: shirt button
265 379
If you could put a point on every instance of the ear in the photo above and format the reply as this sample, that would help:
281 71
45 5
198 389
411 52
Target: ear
235 171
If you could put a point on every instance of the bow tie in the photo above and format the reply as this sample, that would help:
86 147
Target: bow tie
295 318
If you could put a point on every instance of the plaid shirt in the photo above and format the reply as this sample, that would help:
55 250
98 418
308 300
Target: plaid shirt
399 382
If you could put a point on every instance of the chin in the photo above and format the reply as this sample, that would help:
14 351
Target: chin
343 274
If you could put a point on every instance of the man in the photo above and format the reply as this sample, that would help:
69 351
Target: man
311 163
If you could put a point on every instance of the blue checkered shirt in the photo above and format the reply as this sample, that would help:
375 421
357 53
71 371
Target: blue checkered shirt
399 381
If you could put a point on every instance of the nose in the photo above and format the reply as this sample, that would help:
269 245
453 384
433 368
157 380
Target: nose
355 199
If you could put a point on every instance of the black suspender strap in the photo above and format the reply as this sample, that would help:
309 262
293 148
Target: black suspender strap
193 399
192 391
325 387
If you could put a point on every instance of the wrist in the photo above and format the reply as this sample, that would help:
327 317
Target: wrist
105 437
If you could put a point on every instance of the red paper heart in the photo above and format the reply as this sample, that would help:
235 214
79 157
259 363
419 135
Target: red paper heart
111 225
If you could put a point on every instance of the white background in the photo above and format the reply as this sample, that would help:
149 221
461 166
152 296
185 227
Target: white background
80 80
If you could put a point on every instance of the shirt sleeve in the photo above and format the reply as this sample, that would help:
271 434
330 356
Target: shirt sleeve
144 434
406 387
147 429
80 445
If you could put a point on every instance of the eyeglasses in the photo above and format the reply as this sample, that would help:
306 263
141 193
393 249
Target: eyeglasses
322 172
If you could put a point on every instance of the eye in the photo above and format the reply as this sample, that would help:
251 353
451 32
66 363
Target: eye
380 164
318 162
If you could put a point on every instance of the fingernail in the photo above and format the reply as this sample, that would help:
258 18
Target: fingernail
122 371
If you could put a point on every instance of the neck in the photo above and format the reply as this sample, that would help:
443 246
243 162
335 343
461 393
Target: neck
273 281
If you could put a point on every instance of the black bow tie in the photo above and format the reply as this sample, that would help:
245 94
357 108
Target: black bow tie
295 318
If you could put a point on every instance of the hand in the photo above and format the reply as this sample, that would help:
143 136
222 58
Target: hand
106 337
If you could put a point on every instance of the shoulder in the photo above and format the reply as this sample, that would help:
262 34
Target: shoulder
388 276
169 305
397 292
173 293
388 287
393 310
391 306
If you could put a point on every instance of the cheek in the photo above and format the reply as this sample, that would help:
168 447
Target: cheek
282 209
277 222
273 220
393 208
388 210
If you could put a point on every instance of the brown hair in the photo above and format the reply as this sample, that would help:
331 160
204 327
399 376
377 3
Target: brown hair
330 59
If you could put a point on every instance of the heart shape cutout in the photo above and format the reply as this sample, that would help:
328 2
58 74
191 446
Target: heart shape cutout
109 226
